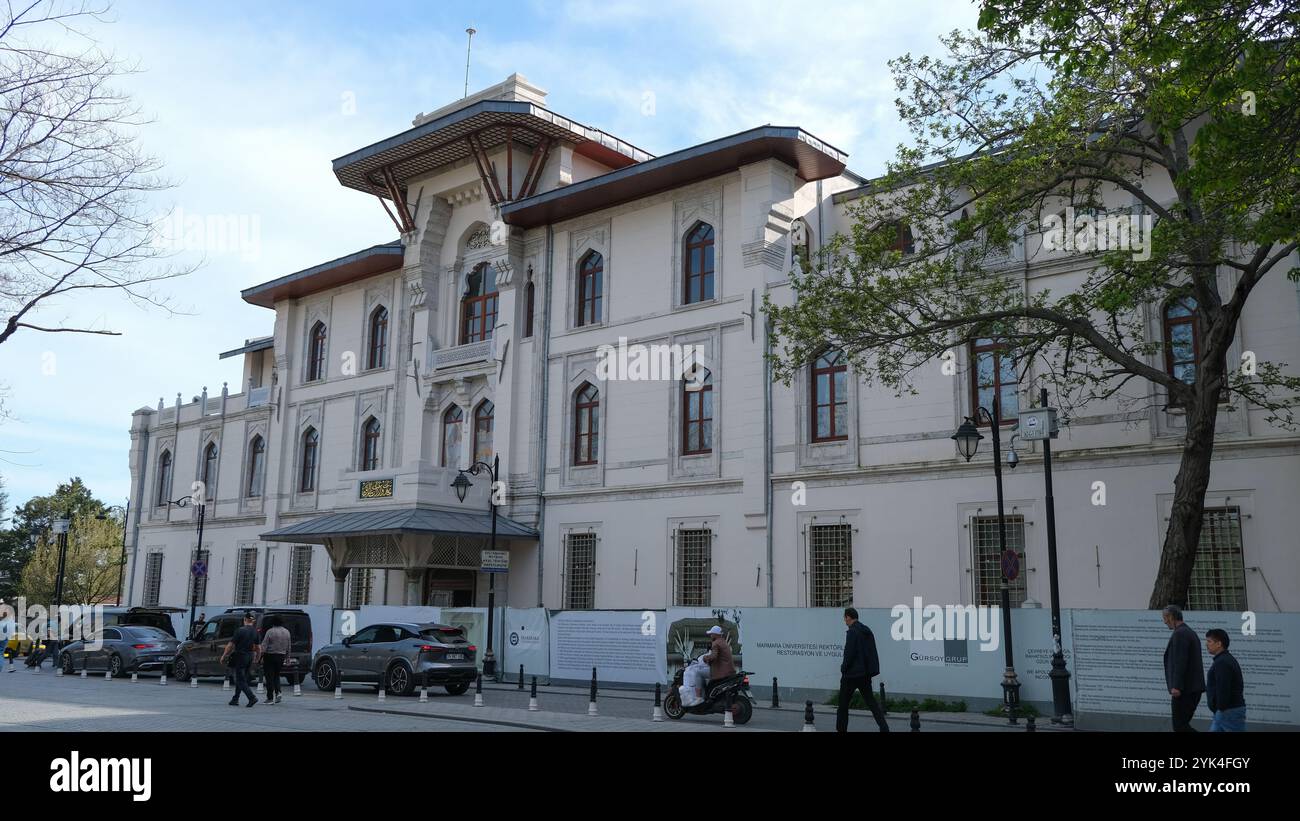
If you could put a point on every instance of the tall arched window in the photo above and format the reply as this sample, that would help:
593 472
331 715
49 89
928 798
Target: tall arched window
316 353
586 424
830 397
307 470
697 264
478 307
256 467
209 474
370 445
378 356
697 413
590 273
530 293
164 478
451 425
1182 339
483 431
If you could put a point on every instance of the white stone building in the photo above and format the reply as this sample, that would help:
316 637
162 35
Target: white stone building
527 242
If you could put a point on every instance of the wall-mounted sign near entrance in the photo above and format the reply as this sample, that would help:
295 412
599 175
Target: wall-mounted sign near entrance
494 561
376 488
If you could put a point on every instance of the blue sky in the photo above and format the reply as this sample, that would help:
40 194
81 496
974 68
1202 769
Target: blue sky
247 109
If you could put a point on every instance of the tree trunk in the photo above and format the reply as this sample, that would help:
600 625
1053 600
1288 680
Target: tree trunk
1178 555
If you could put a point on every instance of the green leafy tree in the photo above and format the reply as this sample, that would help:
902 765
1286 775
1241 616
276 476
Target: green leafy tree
90 568
32 521
1189 108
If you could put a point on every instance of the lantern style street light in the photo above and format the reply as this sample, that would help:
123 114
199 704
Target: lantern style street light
461 484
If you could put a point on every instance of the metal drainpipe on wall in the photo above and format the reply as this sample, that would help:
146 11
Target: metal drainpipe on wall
546 382
139 507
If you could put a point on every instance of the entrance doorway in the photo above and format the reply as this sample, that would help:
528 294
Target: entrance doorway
446 587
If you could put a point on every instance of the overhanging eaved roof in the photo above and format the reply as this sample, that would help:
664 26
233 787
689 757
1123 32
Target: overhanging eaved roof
251 346
811 158
424 521
373 260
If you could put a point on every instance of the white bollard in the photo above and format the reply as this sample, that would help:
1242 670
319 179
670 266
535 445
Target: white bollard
83 672
163 679
658 714
261 687
338 691
382 695
58 671
297 688
225 684
424 694
478 699
108 676
135 678
194 681
532 704
727 721
591 708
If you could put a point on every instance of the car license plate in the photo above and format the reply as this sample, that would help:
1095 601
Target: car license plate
455 657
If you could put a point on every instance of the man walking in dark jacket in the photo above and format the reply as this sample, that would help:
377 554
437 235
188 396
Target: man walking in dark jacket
859 665
1184 673
1225 689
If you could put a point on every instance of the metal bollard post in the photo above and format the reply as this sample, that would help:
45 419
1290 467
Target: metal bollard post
883 703
194 681
657 714
163 679
532 697
591 705
108 676
776 697
297 685
83 672
916 721
808 726
424 688
728 720
1030 727
521 677
135 678
478 690
338 688
225 683
261 684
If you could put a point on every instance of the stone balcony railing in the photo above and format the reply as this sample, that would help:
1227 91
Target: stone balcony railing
463 354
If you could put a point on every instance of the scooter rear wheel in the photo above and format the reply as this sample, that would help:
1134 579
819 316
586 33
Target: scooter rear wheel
673 705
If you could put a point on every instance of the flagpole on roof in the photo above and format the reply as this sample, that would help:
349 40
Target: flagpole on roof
468 45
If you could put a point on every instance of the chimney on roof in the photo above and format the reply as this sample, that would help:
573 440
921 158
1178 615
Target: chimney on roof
514 88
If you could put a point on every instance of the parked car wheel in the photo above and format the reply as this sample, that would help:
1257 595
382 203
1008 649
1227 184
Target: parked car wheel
325 675
673 705
68 669
458 688
400 680
181 669
115 666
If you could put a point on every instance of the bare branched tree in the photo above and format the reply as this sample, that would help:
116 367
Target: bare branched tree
74 183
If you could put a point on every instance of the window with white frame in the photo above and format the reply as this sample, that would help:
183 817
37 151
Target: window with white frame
1219 574
830 565
693 567
246 575
986 560
198 594
152 579
361 584
300 573
580 571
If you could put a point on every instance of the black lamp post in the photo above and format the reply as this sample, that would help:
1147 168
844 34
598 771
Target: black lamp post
462 484
121 567
1059 675
61 527
201 504
968 438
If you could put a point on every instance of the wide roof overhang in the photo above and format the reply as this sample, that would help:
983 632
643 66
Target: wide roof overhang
418 521
490 123
811 159
376 259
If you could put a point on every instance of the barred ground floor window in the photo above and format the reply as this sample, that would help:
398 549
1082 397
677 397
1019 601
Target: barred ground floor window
246 576
152 579
693 567
580 571
830 565
986 560
300 574
361 586
1219 574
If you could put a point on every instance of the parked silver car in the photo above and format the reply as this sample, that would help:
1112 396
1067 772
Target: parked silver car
120 650
400 656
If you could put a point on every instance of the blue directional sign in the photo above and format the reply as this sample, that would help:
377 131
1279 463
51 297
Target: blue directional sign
199 569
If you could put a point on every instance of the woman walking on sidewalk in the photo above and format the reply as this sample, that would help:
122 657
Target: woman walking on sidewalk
275 649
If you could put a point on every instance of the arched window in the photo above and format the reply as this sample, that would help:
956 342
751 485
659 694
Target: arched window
256 467
310 451
1182 339
370 445
316 353
903 242
483 431
530 293
586 424
164 478
993 373
209 474
478 307
590 272
451 424
378 356
830 397
697 264
697 412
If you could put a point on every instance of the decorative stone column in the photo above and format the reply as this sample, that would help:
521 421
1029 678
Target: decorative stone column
340 585
413 578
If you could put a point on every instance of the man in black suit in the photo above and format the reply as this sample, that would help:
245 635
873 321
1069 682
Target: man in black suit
859 665
1184 673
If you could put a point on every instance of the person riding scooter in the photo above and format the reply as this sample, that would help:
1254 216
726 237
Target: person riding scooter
718 658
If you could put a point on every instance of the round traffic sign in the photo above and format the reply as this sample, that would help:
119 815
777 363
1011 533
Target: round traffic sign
1010 564
199 568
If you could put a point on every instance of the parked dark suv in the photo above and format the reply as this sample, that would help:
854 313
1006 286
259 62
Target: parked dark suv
159 617
201 655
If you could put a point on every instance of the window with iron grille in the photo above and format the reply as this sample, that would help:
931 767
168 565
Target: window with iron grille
830 565
986 560
1219 574
152 579
580 571
693 568
199 584
300 573
246 575
361 583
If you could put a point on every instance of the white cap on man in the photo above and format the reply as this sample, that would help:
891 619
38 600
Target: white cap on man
715 630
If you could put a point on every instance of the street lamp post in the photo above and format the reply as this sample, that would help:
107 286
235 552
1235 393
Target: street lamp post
968 438
61 527
462 485
201 504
